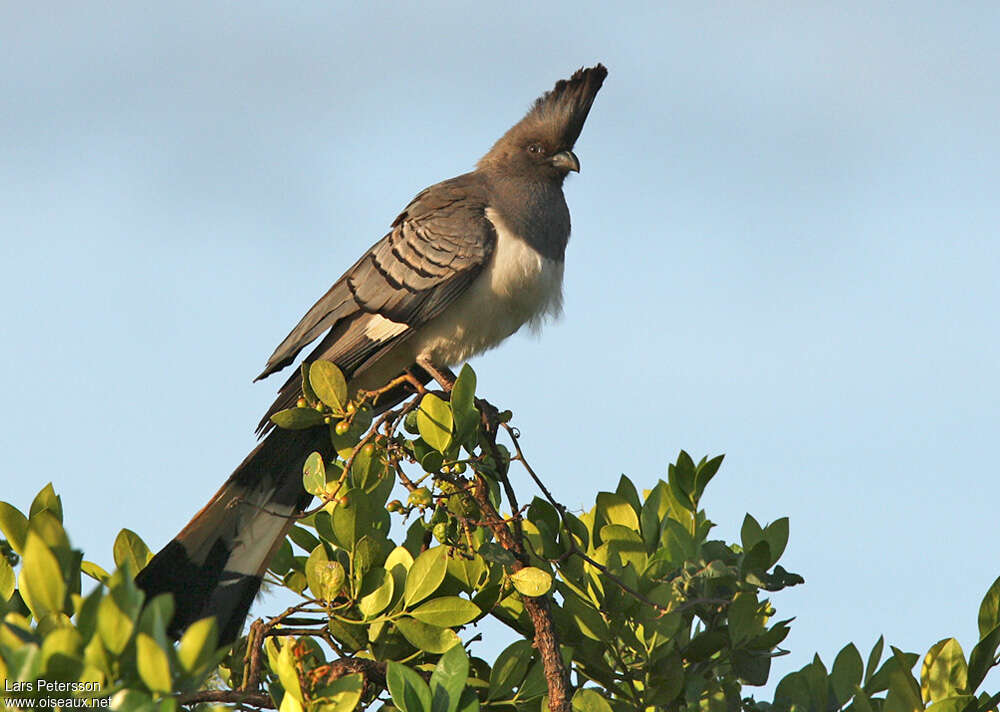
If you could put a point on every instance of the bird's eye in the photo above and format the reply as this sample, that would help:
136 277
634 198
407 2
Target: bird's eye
535 148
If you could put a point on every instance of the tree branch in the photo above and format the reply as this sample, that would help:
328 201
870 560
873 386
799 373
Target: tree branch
539 608
254 699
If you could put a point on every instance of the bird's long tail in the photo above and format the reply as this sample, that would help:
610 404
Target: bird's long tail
214 565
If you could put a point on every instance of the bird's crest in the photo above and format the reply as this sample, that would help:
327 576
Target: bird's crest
558 115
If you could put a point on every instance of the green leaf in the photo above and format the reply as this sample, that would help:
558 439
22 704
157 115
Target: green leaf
367 551
24 663
757 560
542 511
314 475
117 613
446 611
304 538
495 553
625 542
469 701
532 581
424 636
584 617
425 575
989 610
668 681
590 700
468 572
904 691
793 692
705 645
534 684
130 547
341 695
41 583
627 491
776 536
614 509
325 577
682 474
155 615
352 518
751 533
944 672
448 680
307 392
14 526
133 700
861 701
704 474
753 667
434 421
329 384
297 418
284 664
958 703
61 651
47 500
344 444
94 571
982 658
463 404
198 644
880 680
432 461
376 592
509 669
409 692
282 560
86 616
154 667
47 525
846 673
367 469
399 557
350 635
874 658
743 621
7 580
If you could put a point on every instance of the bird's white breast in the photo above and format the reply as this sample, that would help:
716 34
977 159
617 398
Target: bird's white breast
519 286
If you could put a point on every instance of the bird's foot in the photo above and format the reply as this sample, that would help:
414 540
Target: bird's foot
490 415
442 374
407 378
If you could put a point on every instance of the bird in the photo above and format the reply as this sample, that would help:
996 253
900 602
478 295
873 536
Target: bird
466 264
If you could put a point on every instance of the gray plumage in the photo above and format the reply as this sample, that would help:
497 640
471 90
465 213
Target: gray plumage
467 263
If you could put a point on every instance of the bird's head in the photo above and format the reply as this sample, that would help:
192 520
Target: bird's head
540 146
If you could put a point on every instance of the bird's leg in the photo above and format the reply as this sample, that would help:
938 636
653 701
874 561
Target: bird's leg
490 415
407 377
443 375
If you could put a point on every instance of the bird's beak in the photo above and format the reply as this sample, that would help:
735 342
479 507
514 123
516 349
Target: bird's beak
566 161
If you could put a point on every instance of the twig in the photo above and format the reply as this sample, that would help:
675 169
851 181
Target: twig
259 630
539 609
574 549
255 699
326 498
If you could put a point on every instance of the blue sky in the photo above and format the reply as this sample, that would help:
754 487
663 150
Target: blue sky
785 249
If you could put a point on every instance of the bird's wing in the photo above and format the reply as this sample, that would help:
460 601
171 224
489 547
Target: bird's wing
437 247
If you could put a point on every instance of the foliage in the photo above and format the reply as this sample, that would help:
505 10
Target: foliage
630 605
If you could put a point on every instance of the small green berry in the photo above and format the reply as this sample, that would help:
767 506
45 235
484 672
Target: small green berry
420 497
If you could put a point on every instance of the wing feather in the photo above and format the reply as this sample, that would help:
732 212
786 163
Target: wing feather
438 245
